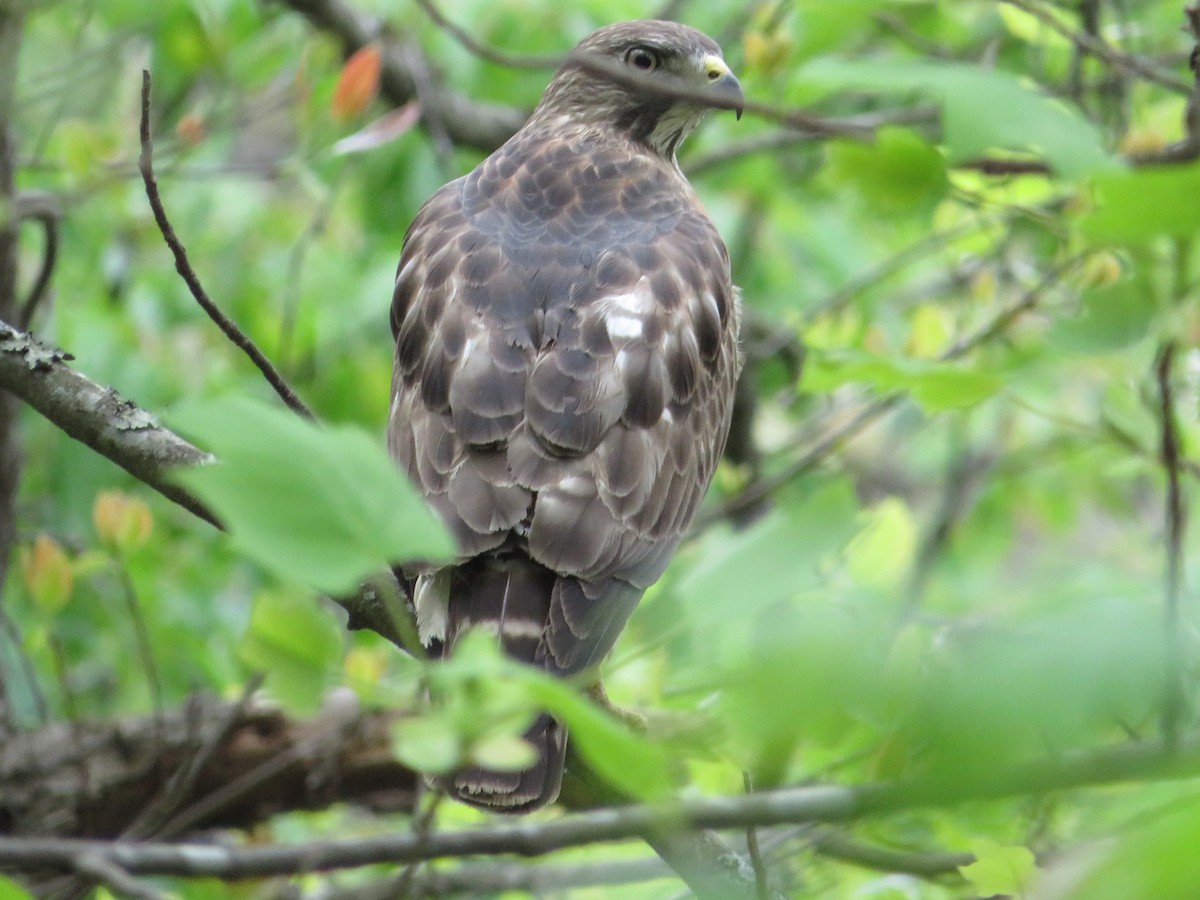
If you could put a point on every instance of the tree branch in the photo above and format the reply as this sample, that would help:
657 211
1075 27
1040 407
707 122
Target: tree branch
1136 761
1101 50
497 57
344 754
97 417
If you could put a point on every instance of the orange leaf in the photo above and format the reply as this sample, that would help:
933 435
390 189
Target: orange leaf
123 522
47 573
358 84
191 129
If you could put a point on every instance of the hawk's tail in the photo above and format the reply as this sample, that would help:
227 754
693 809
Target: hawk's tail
523 791
509 597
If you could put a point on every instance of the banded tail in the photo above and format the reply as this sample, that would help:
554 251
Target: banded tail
509 597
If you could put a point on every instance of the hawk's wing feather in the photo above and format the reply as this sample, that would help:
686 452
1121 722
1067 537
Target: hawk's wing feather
575 400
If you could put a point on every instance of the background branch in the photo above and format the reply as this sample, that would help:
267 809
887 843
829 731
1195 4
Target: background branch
470 123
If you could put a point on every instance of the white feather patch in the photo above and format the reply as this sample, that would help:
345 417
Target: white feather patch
431 596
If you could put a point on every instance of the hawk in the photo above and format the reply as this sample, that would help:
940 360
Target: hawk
565 359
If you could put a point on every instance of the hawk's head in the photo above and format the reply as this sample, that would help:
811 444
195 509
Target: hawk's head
651 80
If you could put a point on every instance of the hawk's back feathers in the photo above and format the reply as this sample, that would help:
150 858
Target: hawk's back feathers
566 352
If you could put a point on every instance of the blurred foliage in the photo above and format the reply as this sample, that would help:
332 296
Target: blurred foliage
972 578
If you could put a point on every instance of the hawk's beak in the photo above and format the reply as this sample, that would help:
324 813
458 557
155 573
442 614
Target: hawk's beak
724 83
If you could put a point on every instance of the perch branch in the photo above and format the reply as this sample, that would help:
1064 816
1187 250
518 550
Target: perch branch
1135 761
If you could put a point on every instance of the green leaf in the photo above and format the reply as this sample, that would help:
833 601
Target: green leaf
428 743
936 386
1136 206
982 110
1000 870
624 759
320 505
1032 30
10 890
1112 316
880 555
898 172
297 644
1153 859
778 555
503 752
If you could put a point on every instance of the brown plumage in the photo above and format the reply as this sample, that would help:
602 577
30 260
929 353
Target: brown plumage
566 352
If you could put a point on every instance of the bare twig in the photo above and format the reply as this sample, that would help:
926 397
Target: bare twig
1100 49
761 884
120 431
313 745
494 878
498 57
43 208
799 120
1135 761
897 262
1175 521
848 425
402 884
141 636
154 816
838 845
97 867
12 633
731 151
227 326
840 432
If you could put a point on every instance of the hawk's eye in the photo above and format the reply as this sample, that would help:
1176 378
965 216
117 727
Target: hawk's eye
642 58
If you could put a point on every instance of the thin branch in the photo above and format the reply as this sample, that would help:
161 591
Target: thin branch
321 743
619 73
761 884
227 326
920 249
848 425
787 138
141 634
1135 761
43 208
101 419
153 818
402 884
12 634
97 867
711 868
494 878
838 845
497 57
1175 519
1100 49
